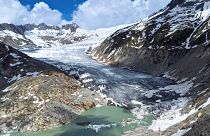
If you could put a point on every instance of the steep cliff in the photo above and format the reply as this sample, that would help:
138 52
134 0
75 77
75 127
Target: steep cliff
175 43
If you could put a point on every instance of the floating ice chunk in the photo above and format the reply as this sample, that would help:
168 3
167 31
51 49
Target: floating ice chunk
99 105
97 128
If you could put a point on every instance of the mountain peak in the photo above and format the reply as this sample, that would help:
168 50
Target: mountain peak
177 2
174 3
72 27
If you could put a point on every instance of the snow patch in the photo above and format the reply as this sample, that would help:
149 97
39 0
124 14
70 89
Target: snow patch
5 90
171 117
181 88
206 11
87 80
15 78
174 115
33 74
150 93
85 75
182 132
139 112
15 64
4 116
14 55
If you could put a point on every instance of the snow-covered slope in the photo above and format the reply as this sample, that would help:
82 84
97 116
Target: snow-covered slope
178 26
158 43
173 42
42 35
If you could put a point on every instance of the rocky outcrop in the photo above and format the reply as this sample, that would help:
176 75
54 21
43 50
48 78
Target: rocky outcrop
174 42
37 96
45 101
21 29
14 64
141 131
72 27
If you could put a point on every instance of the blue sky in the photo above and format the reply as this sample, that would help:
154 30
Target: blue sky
66 7
88 14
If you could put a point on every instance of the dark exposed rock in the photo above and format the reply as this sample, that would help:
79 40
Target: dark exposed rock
20 29
201 126
174 41
3 81
73 27
13 63
43 26
141 131
13 28
171 41
158 45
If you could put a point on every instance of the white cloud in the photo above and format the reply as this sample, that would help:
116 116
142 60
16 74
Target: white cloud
94 14
12 11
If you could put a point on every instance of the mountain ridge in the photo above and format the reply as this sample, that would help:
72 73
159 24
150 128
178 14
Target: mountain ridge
33 36
173 43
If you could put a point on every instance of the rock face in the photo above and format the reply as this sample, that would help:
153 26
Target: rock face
199 127
172 40
14 65
45 101
73 27
175 42
141 131
42 35
37 96
156 44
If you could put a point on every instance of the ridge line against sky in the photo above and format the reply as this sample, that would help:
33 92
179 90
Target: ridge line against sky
88 14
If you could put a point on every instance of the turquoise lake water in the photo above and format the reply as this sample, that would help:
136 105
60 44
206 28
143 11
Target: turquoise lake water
101 121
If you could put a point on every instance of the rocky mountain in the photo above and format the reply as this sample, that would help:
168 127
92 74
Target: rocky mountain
174 43
42 35
37 96
14 64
